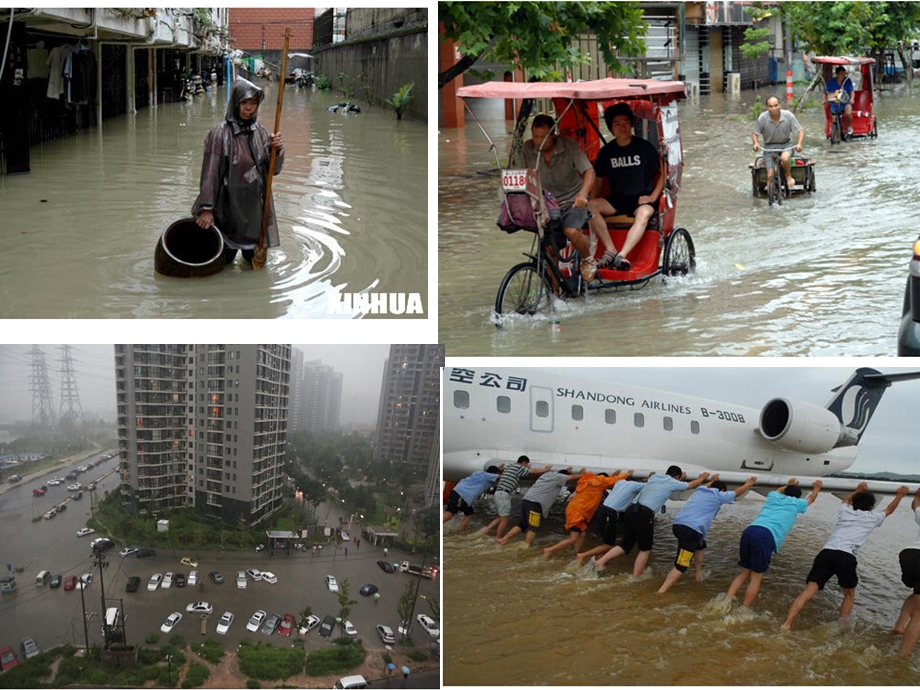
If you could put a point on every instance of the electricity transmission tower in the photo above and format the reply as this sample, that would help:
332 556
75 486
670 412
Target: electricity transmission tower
42 405
71 412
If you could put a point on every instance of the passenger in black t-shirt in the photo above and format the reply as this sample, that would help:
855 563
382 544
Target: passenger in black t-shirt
629 164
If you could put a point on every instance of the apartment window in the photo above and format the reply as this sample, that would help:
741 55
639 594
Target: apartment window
610 416
639 419
234 464
668 424
503 404
237 398
578 413
234 438
694 427
234 477
542 408
227 476
237 383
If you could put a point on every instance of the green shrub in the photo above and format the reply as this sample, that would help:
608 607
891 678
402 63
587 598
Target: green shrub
148 656
196 676
334 660
400 100
152 638
416 655
178 658
252 683
178 641
323 83
209 650
266 662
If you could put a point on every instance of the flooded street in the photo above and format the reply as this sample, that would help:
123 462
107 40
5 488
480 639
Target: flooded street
81 229
821 275
515 618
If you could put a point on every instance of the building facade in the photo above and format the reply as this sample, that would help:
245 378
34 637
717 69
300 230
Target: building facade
322 397
408 418
203 426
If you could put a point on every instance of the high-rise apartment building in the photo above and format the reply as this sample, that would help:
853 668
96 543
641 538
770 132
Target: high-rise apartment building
203 426
322 397
408 419
296 416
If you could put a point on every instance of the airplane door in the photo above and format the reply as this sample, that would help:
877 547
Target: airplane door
541 409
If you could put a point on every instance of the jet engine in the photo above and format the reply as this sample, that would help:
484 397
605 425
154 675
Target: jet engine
802 427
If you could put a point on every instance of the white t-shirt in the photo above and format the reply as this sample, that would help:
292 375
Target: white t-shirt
853 528
916 544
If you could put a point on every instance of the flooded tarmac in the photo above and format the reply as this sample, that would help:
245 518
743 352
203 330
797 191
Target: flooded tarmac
821 275
512 617
81 228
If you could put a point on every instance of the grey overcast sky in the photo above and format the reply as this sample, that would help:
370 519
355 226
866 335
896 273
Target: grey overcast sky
887 445
94 365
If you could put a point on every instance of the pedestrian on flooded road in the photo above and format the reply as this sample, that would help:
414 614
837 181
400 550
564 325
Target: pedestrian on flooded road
234 173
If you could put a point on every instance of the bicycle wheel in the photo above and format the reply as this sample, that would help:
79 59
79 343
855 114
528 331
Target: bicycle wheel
774 193
679 254
835 133
524 290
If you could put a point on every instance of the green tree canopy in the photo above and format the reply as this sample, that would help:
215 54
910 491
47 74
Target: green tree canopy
851 28
544 34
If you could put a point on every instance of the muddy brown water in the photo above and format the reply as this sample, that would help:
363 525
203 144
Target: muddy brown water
81 228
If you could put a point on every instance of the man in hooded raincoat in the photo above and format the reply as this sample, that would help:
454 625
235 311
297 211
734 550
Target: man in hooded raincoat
234 172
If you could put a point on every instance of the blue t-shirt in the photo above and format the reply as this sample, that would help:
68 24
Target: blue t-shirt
623 493
847 87
658 489
472 487
778 515
702 508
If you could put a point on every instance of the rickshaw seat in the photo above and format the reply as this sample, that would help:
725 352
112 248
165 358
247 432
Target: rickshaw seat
862 103
621 221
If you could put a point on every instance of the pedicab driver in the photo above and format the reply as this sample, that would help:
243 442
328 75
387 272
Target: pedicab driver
776 127
839 93
566 173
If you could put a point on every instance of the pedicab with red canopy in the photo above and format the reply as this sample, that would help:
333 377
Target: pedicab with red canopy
553 268
861 72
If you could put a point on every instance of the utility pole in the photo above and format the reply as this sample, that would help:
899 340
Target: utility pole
85 626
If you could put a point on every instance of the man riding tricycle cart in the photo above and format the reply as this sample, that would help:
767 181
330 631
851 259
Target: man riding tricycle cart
602 213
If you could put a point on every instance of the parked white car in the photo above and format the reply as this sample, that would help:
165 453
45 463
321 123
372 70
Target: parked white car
332 584
430 625
223 625
167 581
254 574
84 531
193 578
241 580
154 582
270 578
171 622
255 622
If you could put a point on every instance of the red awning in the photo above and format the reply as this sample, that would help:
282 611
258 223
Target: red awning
845 60
600 89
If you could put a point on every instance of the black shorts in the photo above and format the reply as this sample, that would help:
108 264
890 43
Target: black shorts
609 521
830 562
627 205
639 523
689 541
456 504
531 516
910 568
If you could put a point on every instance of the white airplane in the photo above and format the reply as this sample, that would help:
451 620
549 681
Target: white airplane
493 416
